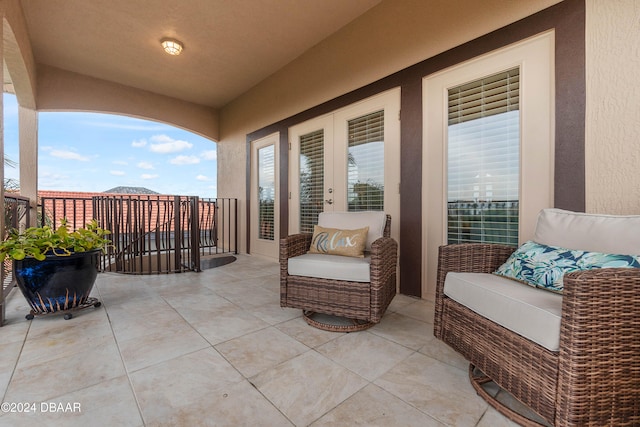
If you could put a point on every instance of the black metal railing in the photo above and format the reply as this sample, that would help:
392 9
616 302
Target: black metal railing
153 234
218 226
16 216
150 234
493 221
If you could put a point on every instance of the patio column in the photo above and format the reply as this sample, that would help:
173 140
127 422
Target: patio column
28 141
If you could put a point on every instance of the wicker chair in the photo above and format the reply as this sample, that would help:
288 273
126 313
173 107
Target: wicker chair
594 378
358 304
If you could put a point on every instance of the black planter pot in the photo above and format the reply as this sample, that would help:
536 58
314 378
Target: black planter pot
58 283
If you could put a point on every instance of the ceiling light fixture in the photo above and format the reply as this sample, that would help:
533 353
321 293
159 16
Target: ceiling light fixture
172 46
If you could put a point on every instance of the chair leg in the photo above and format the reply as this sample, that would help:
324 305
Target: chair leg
478 379
335 323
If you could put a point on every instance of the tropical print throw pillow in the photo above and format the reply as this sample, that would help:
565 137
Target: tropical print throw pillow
544 266
333 241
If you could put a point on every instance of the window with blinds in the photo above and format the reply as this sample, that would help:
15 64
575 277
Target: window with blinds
266 192
365 178
483 165
311 179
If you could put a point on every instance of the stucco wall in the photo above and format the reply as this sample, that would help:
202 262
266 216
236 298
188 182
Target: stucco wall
613 106
63 90
17 54
391 36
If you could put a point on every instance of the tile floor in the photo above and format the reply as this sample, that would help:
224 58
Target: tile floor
216 349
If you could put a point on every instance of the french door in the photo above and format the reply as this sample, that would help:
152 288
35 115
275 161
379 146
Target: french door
348 160
265 196
488 146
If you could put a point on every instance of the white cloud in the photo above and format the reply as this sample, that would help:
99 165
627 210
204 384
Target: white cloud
184 160
145 165
139 143
120 162
148 176
165 144
203 178
117 173
68 155
144 127
49 176
209 155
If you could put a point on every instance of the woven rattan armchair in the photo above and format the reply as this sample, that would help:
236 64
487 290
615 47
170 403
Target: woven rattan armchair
363 303
594 378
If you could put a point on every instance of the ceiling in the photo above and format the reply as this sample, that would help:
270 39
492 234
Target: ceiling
229 45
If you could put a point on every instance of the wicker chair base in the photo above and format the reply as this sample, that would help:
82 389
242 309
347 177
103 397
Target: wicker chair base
478 379
335 324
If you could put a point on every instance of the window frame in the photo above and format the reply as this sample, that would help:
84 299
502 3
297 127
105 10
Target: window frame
535 57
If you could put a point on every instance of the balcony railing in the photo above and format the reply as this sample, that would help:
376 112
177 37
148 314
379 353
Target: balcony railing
153 234
16 210
494 221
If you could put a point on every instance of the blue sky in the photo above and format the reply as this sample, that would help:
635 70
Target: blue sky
96 152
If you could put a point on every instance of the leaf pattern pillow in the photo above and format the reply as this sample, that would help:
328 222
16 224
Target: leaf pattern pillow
544 266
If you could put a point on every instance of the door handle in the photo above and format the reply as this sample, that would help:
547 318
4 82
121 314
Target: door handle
329 202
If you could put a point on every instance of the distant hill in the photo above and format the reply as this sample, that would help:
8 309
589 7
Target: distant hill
131 190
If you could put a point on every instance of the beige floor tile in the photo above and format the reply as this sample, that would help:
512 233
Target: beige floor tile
272 283
435 388
273 314
255 352
174 340
422 310
164 327
366 354
438 350
110 403
239 405
117 289
217 279
52 337
193 390
86 367
404 330
400 301
306 387
307 335
9 354
200 306
374 407
250 296
131 322
15 325
227 323
493 418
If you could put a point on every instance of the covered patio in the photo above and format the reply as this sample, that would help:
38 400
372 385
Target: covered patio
215 349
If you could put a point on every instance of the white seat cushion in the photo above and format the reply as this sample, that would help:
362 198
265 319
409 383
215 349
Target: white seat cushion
333 267
375 220
530 312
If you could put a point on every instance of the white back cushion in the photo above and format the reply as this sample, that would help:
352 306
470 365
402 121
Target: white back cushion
354 220
612 234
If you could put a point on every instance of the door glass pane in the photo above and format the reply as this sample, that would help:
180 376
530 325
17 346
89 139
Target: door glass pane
311 179
365 163
484 160
266 192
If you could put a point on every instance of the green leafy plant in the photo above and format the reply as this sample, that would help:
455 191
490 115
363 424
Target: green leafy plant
38 242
